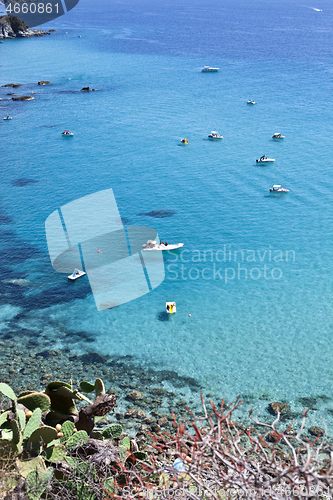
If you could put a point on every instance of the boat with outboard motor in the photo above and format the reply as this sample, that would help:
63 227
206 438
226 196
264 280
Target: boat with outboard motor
208 69
214 136
277 135
67 133
251 102
8 118
264 159
153 246
76 274
278 189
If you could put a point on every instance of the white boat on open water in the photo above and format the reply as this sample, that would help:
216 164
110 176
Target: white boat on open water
208 69
264 159
278 189
153 246
76 274
277 135
214 136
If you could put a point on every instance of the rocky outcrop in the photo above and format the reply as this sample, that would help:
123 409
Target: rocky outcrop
13 27
23 98
44 82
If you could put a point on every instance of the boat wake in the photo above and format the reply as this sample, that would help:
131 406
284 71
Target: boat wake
317 10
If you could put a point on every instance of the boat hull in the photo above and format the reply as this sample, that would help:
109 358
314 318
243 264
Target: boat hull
268 160
77 276
163 248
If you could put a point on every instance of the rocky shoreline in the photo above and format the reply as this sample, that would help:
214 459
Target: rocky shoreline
13 27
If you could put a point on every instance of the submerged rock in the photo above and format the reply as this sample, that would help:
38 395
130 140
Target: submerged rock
158 214
23 182
44 82
18 282
316 431
14 85
134 395
23 98
283 408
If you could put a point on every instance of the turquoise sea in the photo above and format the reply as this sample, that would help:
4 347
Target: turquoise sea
256 274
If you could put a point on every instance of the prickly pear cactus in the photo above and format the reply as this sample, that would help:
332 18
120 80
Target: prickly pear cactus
123 452
62 403
17 437
35 400
126 443
77 439
99 387
86 387
113 431
33 423
40 437
7 391
67 429
37 482
27 466
56 453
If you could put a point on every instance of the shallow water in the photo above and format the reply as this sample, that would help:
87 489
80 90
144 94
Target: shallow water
261 319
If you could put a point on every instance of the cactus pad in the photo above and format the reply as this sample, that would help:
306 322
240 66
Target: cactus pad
28 466
77 439
7 391
86 387
67 429
53 386
113 431
33 424
126 443
16 431
21 418
37 482
3 417
42 435
35 400
99 387
56 453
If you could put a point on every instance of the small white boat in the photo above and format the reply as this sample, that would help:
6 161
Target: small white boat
184 141
76 274
277 135
153 246
278 189
67 133
214 136
170 307
251 102
264 159
208 69
8 118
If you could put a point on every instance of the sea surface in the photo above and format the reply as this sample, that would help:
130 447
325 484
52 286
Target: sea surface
254 283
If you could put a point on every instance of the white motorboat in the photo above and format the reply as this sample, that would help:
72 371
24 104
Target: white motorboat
277 135
76 274
251 102
278 189
264 159
214 136
153 246
67 133
170 307
208 69
8 118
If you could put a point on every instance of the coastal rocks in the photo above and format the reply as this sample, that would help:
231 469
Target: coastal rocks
13 27
135 395
23 98
44 82
14 85
284 409
141 414
163 421
87 89
131 413
316 431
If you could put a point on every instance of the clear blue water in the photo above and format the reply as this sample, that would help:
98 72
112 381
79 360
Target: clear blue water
266 337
